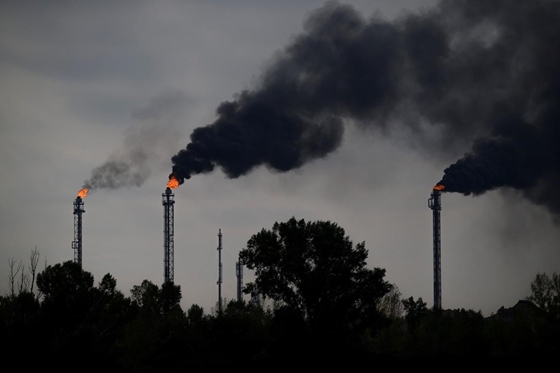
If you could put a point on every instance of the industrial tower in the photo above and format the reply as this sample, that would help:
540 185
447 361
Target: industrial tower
220 271
435 204
77 243
168 233
239 274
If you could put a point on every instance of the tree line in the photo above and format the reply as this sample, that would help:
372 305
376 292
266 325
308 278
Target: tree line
326 307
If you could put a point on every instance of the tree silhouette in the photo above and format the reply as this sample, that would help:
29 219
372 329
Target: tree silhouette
67 293
312 269
545 293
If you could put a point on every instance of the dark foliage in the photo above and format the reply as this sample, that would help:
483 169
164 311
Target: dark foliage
75 324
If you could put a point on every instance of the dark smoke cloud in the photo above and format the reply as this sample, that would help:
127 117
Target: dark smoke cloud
144 142
521 151
477 71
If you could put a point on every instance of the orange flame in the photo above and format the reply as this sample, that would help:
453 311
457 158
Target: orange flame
173 183
439 187
83 193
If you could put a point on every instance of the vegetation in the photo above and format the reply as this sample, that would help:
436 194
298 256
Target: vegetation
327 307
313 272
545 293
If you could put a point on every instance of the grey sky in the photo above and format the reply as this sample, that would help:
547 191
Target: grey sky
81 80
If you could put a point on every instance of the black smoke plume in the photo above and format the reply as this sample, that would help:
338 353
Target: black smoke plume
486 72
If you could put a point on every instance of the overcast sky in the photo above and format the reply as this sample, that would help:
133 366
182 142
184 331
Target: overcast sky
84 83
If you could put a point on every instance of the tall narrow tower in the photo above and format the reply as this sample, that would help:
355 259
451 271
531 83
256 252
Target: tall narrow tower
220 271
435 204
77 243
168 233
239 274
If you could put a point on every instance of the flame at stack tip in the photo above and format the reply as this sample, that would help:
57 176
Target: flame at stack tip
173 182
439 187
83 193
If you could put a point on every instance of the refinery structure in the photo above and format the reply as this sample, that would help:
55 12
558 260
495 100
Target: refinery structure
434 203
239 275
168 202
220 279
78 211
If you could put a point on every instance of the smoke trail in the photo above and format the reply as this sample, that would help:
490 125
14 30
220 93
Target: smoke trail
143 144
521 151
484 70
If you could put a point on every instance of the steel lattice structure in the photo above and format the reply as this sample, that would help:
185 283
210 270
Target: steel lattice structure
435 204
239 273
77 243
168 234
220 271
